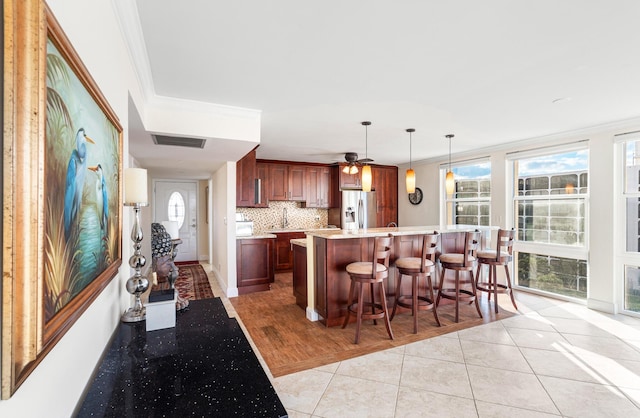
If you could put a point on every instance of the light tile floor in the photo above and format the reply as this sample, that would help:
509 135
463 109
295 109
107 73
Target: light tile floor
554 359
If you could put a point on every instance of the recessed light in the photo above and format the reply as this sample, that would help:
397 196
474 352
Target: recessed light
561 100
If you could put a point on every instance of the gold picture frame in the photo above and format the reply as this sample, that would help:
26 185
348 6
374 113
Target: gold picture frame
61 245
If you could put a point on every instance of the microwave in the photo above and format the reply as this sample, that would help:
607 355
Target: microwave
244 228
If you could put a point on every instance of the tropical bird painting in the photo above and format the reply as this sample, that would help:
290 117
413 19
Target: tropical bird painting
76 170
82 205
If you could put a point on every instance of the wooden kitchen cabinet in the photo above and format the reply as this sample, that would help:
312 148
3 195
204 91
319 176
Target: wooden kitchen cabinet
254 264
300 275
385 183
286 182
283 252
319 187
245 180
262 174
349 181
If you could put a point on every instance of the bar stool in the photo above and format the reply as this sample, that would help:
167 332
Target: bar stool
461 262
501 256
363 273
418 268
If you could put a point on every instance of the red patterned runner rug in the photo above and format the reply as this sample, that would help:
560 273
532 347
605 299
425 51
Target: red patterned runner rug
192 283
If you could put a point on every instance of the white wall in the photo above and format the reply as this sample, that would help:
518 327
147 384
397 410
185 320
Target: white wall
55 386
604 289
223 243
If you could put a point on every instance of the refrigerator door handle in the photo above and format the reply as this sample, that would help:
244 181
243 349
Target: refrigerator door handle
360 213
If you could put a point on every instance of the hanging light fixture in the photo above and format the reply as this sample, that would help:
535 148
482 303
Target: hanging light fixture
411 175
366 169
351 167
449 182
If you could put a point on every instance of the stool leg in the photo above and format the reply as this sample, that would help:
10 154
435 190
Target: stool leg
513 300
360 309
491 279
373 303
440 286
475 294
383 302
414 297
495 287
457 292
430 286
395 302
349 301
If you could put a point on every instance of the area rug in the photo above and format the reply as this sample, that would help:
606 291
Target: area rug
290 343
192 282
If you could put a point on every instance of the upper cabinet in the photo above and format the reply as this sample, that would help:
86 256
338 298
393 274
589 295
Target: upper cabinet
349 181
319 187
385 183
246 180
286 182
262 173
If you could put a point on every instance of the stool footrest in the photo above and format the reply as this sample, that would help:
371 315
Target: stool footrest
378 313
489 287
424 303
462 295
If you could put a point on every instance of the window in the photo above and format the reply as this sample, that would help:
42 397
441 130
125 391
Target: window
471 200
175 209
631 192
550 212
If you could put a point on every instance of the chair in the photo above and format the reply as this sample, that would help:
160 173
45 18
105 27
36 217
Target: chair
418 268
370 273
465 262
501 256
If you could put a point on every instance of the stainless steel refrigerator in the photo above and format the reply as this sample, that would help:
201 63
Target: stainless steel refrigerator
358 209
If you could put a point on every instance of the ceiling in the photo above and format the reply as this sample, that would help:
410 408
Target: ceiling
489 72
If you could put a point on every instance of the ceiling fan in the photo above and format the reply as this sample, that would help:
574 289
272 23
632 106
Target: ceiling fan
352 159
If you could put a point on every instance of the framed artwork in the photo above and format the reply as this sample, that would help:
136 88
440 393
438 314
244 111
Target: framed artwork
63 204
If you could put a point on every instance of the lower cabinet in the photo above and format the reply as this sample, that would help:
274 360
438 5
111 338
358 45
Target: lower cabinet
284 255
300 275
254 264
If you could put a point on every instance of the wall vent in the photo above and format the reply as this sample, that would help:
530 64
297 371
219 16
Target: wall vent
179 141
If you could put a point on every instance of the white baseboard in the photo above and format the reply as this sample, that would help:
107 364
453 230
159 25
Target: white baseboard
312 315
602 306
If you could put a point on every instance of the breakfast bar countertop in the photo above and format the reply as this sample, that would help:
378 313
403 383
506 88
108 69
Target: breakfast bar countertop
402 230
258 236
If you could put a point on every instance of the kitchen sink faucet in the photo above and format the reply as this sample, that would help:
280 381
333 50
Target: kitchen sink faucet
285 220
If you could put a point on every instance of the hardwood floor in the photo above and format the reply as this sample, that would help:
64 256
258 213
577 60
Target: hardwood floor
289 343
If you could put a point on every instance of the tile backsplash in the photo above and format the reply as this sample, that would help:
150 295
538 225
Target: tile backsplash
265 219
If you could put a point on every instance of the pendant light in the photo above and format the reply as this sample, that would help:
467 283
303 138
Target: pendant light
449 182
411 175
366 169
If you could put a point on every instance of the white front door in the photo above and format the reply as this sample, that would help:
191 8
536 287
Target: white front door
178 201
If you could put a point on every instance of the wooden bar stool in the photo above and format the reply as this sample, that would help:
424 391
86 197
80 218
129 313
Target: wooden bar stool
461 262
418 268
370 273
501 256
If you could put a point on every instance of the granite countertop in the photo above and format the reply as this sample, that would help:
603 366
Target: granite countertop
299 241
258 236
403 230
281 230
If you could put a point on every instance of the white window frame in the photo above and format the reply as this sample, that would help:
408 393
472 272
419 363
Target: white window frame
445 200
578 252
624 258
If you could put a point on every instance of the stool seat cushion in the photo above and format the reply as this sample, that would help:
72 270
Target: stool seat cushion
412 263
454 258
364 267
491 254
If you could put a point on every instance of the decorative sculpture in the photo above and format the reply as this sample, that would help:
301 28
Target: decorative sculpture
163 254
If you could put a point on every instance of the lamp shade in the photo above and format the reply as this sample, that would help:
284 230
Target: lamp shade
449 183
172 229
135 186
411 181
366 178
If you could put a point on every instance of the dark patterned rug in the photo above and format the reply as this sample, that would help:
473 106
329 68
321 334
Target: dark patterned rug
192 283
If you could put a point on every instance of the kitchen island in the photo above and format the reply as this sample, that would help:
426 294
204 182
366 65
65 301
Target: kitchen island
331 252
